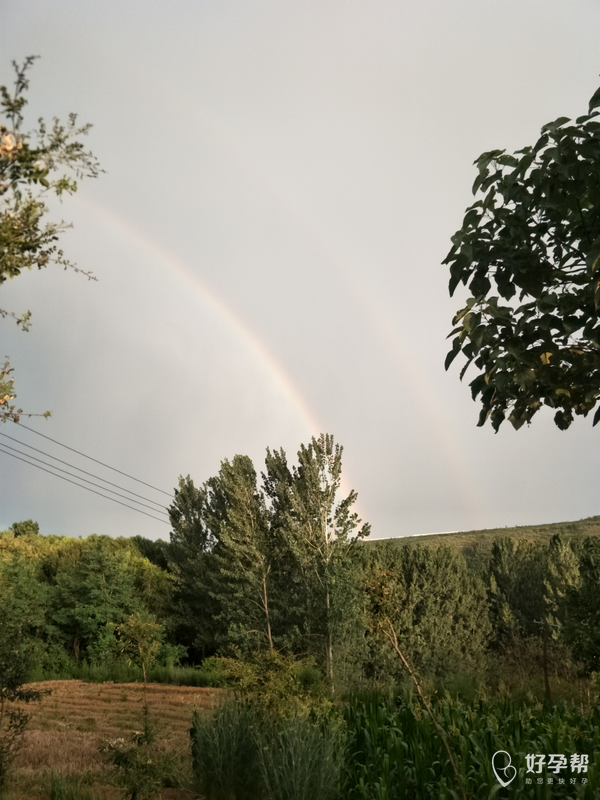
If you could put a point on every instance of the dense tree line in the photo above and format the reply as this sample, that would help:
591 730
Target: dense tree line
282 564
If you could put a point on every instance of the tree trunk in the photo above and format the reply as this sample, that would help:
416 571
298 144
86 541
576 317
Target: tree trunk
266 606
329 647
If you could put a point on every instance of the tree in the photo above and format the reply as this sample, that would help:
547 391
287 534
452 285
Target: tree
241 579
33 166
436 608
529 252
583 605
26 528
93 591
192 541
22 600
140 639
316 534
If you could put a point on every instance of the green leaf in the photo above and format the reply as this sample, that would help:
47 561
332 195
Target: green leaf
592 258
553 126
594 100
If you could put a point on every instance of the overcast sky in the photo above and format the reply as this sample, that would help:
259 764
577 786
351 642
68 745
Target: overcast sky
282 182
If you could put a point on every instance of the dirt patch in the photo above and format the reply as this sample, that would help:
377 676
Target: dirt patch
67 726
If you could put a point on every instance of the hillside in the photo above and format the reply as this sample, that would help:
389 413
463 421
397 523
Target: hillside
472 543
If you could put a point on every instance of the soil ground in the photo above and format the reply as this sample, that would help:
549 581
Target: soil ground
67 726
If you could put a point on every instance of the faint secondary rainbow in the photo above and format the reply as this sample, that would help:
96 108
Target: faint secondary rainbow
243 334
365 297
257 350
350 275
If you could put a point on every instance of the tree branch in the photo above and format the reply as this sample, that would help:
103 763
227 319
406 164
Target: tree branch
391 635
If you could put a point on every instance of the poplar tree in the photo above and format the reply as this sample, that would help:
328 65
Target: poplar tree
192 541
315 535
241 568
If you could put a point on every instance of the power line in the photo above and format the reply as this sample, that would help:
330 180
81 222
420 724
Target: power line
83 487
79 453
85 480
91 474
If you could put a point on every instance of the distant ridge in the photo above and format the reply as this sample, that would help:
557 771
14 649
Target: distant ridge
467 541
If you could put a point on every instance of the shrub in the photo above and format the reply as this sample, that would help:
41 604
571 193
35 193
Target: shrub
225 754
300 758
246 752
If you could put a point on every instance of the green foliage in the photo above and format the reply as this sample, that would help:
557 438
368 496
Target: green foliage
300 758
531 587
517 574
278 738
190 560
92 594
62 788
26 528
141 766
583 609
272 568
437 608
225 754
240 579
140 638
33 166
89 586
529 252
274 681
118 671
244 752
21 601
394 751
315 534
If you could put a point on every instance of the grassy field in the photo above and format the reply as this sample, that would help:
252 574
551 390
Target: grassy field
68 725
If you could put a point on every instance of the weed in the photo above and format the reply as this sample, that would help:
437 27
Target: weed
63 789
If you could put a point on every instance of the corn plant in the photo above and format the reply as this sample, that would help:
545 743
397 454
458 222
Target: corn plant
395 751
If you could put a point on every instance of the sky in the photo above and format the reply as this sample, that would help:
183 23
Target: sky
281 183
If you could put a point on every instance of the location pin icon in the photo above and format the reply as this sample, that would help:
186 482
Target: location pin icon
505 770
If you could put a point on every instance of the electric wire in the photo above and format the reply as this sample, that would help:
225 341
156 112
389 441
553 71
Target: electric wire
85 480
145 513
85 472
79 453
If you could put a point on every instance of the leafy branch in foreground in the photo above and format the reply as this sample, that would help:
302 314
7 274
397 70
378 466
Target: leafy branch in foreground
529 252
34 166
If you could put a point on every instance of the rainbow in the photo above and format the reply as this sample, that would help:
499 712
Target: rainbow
349 275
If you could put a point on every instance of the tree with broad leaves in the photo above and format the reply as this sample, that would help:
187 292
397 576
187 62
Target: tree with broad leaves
22 600
529 253
33 166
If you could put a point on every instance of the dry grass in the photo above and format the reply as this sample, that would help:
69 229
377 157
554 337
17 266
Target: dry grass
68 725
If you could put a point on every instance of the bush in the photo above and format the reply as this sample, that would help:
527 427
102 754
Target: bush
142 767
244 752
300 758
225 753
